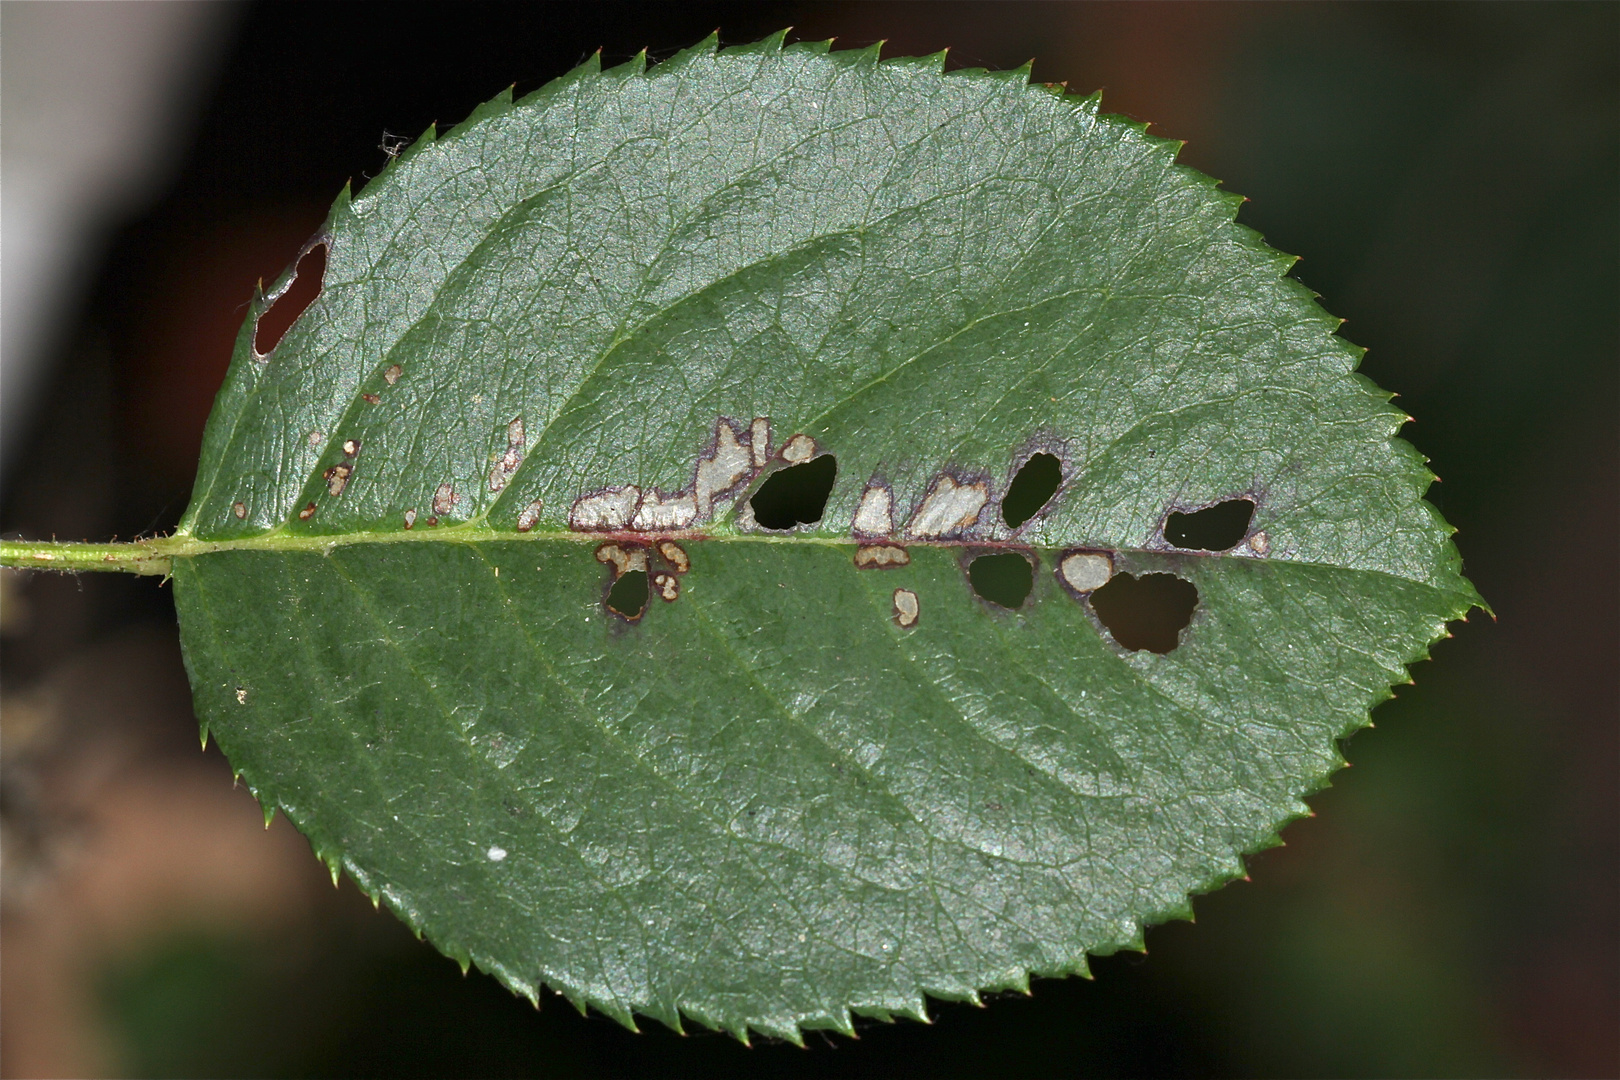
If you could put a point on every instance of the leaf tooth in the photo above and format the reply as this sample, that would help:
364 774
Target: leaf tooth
784 1029
766 46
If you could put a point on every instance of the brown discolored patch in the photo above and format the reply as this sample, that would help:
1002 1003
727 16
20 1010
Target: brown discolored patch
337 478
508 462
371 399
239 509
906 608
307 512
410 519
667 586
530 515
880 557
675 555
432 521
444 499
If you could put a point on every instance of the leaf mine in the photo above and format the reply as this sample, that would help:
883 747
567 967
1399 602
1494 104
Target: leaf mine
1084 571
880 557
874 517
675 556
511 458
906 608
949 508
444 499
605 511
529 516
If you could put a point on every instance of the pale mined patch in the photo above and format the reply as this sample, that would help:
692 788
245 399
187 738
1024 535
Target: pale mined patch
949 508
410 518
759 440
351 447
391 376
622 559
529 515
659 511
906 608
314 439
511 459
241 695
444 499
668 586
675 555
799 448
875 517
605 510
1086 571
307 512
239 509
721 469
337 477
880 557
1260 543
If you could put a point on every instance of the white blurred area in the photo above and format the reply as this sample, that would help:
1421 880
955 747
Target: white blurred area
97 99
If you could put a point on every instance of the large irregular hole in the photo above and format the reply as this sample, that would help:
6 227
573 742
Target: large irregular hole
1004 578
1217 528
628 596
796 495
285 309
1031 489
1147 612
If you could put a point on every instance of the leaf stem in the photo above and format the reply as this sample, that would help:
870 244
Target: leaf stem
136 557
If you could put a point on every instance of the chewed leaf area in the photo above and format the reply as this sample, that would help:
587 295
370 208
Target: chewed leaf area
1004 579
796 495
711 547
1147 612
1216 528
287 306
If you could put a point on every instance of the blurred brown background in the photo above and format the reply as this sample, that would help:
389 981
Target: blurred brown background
1450 174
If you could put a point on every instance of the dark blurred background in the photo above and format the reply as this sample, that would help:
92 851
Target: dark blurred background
1449 172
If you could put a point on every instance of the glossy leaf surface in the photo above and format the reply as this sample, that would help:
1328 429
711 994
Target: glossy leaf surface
601 318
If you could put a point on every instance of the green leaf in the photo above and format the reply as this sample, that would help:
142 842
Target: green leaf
800 788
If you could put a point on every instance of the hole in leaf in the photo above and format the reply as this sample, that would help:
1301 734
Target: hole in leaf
1004 578
628 596
796 495
285 309
1031 489
1147 612
1215 529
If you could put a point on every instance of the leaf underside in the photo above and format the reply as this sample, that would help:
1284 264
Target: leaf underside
602 315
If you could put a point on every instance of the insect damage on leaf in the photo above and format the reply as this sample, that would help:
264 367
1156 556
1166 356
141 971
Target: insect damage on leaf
719 331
